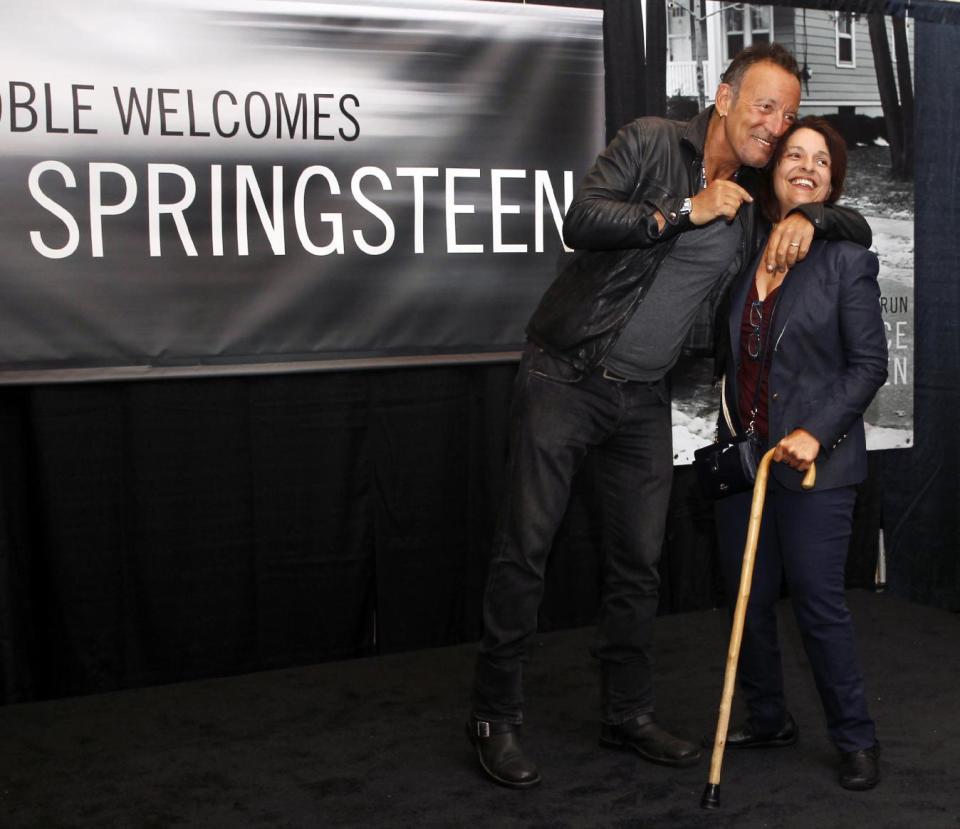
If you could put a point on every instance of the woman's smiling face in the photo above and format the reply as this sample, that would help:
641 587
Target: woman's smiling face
802 175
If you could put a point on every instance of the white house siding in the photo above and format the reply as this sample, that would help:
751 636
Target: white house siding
831 86
811 36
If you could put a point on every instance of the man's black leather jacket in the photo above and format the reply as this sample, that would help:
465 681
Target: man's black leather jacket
652 164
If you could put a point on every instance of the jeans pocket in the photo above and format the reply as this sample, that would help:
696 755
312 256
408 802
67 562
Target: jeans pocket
548 367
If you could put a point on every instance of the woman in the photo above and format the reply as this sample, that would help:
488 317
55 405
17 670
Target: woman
808 354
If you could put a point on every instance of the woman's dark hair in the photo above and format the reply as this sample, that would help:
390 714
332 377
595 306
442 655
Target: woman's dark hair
837 148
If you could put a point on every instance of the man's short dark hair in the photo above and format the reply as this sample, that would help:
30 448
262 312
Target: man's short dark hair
759 53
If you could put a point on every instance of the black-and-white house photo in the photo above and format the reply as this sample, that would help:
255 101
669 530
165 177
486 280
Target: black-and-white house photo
858 73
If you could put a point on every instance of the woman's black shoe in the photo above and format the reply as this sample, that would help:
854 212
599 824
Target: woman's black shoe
860 770
746 737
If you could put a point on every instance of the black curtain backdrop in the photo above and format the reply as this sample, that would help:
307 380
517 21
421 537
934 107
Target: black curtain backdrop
159 531
921 487
624 57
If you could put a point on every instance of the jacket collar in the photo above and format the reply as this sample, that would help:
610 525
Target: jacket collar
695 136
695 133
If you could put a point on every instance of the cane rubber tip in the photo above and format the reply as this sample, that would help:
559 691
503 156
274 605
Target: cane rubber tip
711 797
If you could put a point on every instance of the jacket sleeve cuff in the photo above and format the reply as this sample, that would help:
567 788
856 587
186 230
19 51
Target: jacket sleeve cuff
833 221
676 222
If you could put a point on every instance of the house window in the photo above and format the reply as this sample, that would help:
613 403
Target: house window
845 27
760 24
744 25
679 35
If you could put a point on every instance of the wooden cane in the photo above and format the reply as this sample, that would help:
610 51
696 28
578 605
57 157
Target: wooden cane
711 794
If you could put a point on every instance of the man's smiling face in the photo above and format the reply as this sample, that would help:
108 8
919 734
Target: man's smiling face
759 112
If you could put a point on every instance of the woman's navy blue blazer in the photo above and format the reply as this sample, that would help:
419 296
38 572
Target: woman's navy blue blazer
829 358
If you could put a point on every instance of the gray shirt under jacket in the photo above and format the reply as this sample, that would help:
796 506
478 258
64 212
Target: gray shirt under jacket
650 342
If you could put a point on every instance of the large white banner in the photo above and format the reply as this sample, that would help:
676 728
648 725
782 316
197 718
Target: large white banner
198 186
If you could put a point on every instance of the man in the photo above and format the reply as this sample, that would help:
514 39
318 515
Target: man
661 225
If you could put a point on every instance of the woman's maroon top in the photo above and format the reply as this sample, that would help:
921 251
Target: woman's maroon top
754 367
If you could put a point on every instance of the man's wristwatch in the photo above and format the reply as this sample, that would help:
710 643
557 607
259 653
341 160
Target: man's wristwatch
686 207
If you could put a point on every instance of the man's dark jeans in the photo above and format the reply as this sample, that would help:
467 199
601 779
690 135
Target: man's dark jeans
557 418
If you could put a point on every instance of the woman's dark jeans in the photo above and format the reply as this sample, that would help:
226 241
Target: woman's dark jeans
803 536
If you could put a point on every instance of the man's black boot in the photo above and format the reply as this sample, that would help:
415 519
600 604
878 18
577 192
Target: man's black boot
501 755
643 735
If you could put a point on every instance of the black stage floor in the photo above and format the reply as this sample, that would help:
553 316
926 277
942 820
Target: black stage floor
379 742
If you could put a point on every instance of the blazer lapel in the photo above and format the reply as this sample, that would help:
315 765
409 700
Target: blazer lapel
790 291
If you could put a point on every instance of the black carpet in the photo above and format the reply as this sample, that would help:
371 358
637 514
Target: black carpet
379 742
